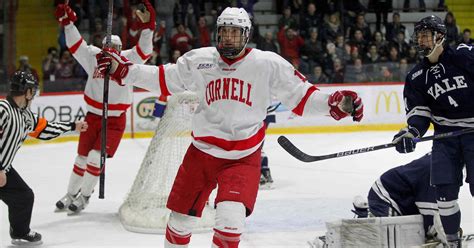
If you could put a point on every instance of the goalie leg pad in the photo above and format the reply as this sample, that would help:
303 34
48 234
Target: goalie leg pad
179 230
75 181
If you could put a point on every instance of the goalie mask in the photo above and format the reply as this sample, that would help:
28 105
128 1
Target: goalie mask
428 33
115 41
233 32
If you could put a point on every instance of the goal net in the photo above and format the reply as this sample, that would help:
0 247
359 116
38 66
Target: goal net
144 210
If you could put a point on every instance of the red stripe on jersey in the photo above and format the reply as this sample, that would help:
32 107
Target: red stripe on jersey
300 107
98 105
232 61
163 88
177 239
74 47
93 170
234 145
141 53
78 170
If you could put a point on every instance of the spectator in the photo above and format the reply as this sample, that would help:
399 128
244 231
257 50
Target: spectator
311 19
24 65
296 6
361 25
466 37
359 41
49 64
287 20
290 43
352 8
421 6
174 56
452 30
66 66
267 43
338 75
385 75
394 28
331 28
380 44
413 56
204 35
318 77
401 44
402 71
247 5
158 37
181 41
372 56
311 51
393 55
381 9
164 13
354 54
99 33
329 56
132 27
356 73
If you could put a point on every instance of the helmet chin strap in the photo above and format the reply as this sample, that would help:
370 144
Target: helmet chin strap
437 44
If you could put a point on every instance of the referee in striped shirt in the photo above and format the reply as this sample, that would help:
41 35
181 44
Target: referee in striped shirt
16 123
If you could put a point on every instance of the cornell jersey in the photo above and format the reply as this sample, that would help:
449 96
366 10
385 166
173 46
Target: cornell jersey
442 92
234 95
120 97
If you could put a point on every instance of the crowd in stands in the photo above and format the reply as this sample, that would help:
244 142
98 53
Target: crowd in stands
328 41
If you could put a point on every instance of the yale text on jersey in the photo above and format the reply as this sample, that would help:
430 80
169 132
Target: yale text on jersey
229 89
447 85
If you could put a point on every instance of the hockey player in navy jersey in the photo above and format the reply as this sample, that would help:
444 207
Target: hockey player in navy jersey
439 90
405 190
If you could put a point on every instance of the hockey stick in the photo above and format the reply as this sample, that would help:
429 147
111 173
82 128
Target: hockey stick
105 107
298 154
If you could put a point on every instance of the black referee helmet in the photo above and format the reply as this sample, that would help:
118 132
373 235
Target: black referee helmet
21 81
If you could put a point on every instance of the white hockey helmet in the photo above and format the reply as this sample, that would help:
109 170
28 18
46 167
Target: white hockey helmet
115 42
233 17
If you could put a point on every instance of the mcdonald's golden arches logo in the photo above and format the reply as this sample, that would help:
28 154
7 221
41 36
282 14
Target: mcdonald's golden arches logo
388 101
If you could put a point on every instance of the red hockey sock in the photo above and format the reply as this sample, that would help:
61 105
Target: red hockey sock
177 239
224 239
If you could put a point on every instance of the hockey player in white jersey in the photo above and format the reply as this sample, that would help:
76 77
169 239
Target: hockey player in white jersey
235 85
86 170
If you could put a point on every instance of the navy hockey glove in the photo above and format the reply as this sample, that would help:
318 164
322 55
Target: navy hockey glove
405 139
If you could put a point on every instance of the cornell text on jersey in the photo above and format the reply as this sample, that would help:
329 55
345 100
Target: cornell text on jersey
228 89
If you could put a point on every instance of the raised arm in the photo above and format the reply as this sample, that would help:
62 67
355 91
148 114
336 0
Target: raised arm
140 53
78 47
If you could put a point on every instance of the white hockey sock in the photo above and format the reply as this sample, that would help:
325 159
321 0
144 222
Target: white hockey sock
91 177
75 181
230 222
179 230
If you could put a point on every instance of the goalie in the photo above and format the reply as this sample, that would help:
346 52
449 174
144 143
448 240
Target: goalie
406 190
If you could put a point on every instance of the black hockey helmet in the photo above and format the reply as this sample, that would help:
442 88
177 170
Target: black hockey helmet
21 81
431 23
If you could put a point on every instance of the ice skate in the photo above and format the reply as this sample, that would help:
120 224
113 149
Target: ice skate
30 239
79 204
65 202
266 181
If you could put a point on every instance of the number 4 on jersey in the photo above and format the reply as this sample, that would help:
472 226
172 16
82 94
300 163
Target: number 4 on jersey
452 102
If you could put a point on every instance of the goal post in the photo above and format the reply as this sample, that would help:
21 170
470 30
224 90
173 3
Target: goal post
144 209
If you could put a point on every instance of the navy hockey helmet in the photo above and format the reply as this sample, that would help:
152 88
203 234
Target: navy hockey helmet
427 32
21 81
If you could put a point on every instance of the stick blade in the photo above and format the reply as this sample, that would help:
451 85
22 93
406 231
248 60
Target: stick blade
294 151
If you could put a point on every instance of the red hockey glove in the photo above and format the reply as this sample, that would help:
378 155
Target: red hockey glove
110 59
64 14
146 16
345 102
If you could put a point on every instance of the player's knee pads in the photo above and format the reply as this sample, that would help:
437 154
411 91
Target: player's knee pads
230 217
81 161
93 158
181 224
